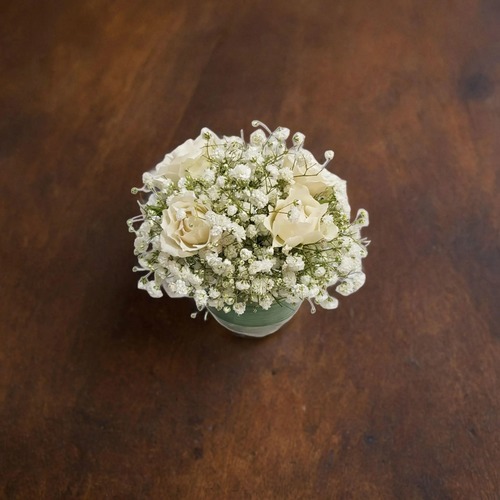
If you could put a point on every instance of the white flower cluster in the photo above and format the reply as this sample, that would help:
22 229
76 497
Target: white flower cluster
231 223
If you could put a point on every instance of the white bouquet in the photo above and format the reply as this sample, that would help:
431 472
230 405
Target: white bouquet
231 223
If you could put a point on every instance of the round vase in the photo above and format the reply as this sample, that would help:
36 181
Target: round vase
255 321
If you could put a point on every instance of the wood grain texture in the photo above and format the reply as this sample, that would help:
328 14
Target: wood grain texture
107 393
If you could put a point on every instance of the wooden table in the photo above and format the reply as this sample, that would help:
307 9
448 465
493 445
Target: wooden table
107 393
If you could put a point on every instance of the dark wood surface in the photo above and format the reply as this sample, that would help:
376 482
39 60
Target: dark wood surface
107 393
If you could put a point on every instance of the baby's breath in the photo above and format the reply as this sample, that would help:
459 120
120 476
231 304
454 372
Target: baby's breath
218 225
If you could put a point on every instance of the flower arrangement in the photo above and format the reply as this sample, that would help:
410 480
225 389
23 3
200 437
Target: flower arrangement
234 224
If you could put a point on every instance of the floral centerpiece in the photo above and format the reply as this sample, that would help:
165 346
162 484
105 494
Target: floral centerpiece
239 226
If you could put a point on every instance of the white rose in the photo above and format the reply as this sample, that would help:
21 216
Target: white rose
190 157
308 172
184 228
304 227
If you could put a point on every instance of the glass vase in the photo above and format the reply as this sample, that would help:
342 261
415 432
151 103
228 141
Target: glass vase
255 321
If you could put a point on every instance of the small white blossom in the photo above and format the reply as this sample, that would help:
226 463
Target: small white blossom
260 285
301 290
294 263
258 219
289 278
141 244
295 212
153 181
208 175
243 216
286 174
151 287
257 138
231 210
179 287
327 219
239 307
266 302
213 192
259 198
230 252
228 297
269 251
281 133
320 271
254 267
326 301
251 231
238 231
305 279
204 199
266 265
298 139
353 283
201 298
273 171
216 231
245 254
242 285
241 172
274 196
